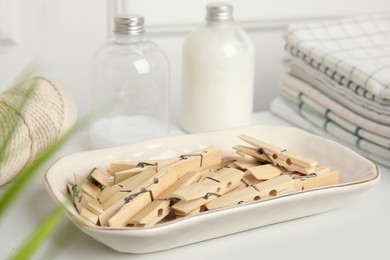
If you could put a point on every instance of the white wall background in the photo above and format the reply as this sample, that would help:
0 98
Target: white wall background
64 34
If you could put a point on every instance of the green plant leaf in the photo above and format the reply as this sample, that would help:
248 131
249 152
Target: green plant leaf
40 234
27 173
24 75
14 189
13 125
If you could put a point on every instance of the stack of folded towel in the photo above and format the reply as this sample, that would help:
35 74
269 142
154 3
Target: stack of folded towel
339 81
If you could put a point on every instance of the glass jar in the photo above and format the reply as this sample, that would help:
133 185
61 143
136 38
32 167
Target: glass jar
130 87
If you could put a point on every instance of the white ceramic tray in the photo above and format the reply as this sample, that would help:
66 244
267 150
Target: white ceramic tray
357 174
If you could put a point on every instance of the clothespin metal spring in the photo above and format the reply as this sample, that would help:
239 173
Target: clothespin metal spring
261 151
185 156
143 164
310 175
208 194
132 196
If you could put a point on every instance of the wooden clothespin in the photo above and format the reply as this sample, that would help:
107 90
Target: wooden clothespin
162 212
124 166
189 207
121 166
159 208
196 161
79 199
100 176
246 163
151 214
195 211
83 200
221 180
225 162
320 178
86 213
254 192
161 164
206 190
249 179
265 172
113 198
137 200
86 186
142 196
125 174
276 155
192 162
140 166
118 191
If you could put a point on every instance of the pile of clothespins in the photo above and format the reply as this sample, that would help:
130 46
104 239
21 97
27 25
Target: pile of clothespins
142 194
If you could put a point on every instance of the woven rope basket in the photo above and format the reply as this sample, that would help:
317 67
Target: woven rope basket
48 112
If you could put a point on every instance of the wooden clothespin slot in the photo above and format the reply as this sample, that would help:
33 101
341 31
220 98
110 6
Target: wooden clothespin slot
255 192
141 197
277 155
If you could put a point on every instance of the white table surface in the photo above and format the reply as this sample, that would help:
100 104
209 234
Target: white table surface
358 230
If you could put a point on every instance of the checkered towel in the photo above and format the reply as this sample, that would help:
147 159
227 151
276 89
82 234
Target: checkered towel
349 98
354 51
301 116
340 110
330 115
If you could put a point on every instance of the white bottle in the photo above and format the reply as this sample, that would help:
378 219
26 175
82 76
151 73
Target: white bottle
218 74
130 87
